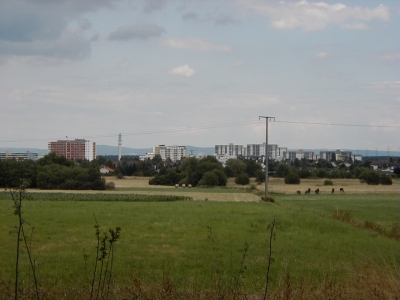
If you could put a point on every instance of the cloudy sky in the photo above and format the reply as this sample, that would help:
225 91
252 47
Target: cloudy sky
191 72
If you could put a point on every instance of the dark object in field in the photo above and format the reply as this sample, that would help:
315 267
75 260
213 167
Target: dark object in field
317 191
342 190
307 191
298 192
333 191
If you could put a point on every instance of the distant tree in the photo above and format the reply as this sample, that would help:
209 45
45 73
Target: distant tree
304 173
292 178
282 170
157 161
297 163
222 179
366 164
260 176
209 178
237 165
251 167
53 158
272 165
386 180
229 172
242 179
321 173
370 177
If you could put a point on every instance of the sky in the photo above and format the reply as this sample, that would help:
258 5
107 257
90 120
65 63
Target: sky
200 73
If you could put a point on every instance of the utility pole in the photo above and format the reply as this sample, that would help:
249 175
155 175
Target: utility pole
266 151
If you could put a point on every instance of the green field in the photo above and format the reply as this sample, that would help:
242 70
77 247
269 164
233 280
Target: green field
201 243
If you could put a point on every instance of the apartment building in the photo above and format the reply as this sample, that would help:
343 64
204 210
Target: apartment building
231 150
19 155
172 152
74 149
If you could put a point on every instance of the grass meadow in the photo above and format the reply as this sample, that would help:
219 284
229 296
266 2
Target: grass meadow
199 247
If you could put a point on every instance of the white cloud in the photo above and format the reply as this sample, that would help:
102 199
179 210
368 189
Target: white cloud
316 15
321 55
194 44
184 71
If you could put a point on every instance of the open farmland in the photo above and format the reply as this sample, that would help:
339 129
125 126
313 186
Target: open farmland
200 245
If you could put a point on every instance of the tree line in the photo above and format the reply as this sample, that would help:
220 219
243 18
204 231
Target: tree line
51 172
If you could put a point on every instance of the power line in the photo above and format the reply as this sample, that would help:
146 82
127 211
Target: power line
214 126
340 124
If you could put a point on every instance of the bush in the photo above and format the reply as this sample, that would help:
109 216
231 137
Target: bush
242 179
292 178
267 199
386 180
222 179
209 179
328 182
110 186
260 176
370 177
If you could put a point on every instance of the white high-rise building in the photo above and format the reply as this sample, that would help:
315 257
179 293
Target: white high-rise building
172 152
230 150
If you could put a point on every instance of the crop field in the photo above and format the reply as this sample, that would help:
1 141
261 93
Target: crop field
328 245
220 241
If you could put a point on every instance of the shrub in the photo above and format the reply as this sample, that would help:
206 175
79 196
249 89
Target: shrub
260 176
292 178
209 179
386 180
222 179
328 182
110 186
267 199
370 177
242 179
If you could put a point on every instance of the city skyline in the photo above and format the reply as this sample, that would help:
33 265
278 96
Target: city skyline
201 73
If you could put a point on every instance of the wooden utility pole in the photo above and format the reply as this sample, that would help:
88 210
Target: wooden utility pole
266 152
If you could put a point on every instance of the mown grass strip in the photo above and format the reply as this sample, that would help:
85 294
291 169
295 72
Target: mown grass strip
98 197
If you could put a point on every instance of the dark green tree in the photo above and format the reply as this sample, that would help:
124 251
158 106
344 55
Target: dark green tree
292 178
242 179
209 178
236 165
282 170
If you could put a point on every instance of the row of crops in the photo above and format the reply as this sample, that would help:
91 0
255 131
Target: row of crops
95 197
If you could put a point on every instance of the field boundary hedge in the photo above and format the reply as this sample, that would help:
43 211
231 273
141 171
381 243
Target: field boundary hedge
98 197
